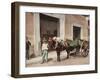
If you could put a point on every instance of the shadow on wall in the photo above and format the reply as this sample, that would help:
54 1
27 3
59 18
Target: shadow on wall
32 54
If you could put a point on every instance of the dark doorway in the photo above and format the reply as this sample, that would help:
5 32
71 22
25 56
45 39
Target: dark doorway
49 26
76 32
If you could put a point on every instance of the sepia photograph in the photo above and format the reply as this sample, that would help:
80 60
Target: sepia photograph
56 39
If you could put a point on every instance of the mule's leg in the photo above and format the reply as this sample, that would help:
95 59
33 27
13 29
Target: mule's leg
68 53
27 54
77 50
58 55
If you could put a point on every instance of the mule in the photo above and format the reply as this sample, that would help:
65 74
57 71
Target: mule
80 47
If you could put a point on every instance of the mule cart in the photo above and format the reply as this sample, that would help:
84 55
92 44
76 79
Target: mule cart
76 47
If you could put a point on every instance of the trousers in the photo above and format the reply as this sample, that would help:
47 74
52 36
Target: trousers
45 55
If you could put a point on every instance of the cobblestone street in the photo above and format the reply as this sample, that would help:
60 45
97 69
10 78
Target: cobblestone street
52 60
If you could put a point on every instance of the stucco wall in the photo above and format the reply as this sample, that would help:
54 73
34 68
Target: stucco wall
79 21
30 30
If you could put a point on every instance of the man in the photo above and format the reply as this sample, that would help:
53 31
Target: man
58 48
28 44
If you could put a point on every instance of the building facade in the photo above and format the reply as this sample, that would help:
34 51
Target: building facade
65 26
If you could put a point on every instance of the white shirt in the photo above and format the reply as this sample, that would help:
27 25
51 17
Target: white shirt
44 46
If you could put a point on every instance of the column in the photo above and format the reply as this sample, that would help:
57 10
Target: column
37 34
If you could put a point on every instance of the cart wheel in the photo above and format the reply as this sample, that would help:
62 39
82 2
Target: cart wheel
85 53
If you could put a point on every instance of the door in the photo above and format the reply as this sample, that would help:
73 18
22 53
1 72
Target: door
76 32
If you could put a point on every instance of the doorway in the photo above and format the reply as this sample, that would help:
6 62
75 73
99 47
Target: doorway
76 32
49 26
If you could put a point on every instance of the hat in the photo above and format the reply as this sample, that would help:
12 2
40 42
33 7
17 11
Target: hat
54 38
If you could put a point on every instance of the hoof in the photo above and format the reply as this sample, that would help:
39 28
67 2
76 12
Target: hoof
42 62
58 60
67 58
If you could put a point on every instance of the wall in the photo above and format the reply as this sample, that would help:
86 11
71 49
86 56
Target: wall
80 21
5 40
76 20
30 30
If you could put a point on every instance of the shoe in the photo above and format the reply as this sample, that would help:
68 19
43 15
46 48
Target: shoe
47 61
42 62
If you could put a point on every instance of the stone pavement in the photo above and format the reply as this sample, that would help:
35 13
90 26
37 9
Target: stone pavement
52 60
